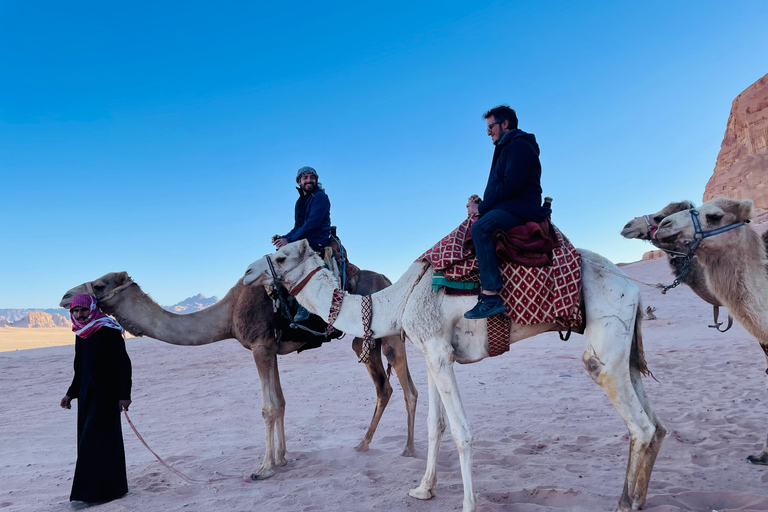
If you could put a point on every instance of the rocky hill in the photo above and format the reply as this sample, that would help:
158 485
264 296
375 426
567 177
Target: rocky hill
12 315
192 304
741 171
41 320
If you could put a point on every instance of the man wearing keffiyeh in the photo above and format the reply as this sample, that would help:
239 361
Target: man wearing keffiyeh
102 386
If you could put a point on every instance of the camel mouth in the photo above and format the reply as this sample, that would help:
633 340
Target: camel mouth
634 233
671 239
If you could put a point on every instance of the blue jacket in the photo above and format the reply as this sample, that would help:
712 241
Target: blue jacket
312 219
514 183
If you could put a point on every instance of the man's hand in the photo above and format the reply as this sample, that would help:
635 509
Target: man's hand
472 203
124 404
66 402
280 242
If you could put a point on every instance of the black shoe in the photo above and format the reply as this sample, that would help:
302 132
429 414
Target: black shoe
301 314
487 305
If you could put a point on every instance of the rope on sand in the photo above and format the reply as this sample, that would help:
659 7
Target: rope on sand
178 473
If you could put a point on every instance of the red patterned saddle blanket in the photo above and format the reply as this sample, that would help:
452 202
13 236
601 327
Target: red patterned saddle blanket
532 295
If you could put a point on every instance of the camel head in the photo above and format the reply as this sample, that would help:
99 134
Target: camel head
291 264
103 288
643 227
717 214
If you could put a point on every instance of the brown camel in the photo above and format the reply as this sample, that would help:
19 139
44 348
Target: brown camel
246 314
733 262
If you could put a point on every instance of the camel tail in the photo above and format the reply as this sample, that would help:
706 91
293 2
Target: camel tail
637 356
389 370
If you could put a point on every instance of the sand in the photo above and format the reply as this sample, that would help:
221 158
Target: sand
546 438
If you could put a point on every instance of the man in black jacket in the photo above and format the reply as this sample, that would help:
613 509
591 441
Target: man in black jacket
312 219
312 214
512 197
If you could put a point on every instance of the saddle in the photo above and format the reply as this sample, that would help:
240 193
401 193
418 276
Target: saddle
346 270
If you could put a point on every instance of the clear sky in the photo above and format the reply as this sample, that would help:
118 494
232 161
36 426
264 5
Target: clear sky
163 138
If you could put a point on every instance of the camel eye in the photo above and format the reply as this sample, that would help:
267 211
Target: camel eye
714 218
280 260
657 219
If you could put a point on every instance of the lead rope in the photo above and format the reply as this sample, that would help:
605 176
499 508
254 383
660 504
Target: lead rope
178 473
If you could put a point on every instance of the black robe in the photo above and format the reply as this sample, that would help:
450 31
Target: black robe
102 378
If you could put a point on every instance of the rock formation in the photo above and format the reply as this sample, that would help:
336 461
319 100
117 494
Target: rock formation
741 171
35 319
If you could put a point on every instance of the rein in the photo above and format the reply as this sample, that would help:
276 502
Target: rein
178 473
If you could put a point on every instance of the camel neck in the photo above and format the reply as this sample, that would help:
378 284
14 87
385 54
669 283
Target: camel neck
738 277
142 316
388 303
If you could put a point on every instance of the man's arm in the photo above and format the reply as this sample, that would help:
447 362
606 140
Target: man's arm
318 209
74 388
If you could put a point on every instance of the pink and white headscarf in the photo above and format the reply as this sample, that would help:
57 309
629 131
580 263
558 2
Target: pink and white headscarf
96 318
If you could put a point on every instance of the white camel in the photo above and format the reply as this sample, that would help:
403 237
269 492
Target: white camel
434 322
733 256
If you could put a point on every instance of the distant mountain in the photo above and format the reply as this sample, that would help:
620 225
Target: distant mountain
13 315
59 317
41 320
192 304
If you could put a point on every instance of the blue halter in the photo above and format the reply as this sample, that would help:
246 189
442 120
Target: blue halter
699 234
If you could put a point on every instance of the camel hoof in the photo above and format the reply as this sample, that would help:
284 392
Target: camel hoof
262 474
759 459
407 452
362 447
421 494
281 462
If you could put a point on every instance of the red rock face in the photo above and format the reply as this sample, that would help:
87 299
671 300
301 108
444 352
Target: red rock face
741 171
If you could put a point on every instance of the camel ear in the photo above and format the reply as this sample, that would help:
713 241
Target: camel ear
303 248
745 209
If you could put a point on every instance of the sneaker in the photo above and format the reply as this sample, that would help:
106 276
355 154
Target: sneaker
487 305
301 314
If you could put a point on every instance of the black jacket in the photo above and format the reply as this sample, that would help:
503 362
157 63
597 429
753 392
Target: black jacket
514 183
312 219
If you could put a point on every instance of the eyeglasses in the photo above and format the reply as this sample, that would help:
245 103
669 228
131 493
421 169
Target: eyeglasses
490 126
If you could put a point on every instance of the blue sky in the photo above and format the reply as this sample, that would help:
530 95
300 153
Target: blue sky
162 138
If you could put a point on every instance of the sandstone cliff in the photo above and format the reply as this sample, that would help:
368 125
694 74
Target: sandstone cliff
41 320
741 171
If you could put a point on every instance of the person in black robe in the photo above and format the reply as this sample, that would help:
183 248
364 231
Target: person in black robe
102 386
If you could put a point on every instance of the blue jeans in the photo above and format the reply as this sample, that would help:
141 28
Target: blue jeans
482 236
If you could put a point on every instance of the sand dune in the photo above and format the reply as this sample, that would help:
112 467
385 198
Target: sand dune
546 437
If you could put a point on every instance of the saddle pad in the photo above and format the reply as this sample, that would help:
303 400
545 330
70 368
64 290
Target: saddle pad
532 295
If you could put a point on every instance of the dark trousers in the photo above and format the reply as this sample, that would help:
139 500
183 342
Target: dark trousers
482 233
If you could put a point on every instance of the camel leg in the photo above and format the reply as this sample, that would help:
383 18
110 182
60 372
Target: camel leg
608 366
383 389
436 428
272 410
640 488
394 349
762 457
439 356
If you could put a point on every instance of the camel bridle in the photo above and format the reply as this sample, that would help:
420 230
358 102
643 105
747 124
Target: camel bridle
89 289
699 235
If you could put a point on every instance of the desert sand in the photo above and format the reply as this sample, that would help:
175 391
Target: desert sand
546 438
